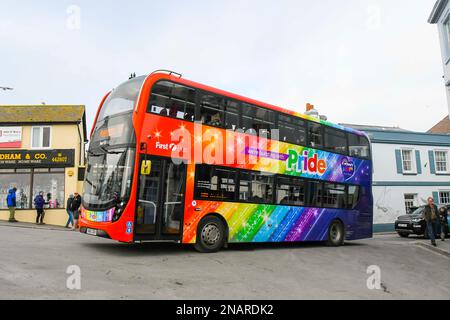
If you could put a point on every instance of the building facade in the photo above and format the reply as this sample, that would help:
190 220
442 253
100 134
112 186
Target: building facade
42 149
440 16
409 167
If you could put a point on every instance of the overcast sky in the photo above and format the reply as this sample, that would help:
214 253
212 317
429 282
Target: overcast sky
359 61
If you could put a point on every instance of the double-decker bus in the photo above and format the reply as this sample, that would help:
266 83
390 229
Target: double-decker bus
174 160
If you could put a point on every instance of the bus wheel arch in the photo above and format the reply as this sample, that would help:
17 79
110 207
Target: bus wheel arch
336 233
212 233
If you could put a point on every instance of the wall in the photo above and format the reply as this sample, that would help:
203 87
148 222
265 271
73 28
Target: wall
445 49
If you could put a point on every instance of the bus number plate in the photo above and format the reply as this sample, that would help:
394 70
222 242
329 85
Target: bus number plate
91 232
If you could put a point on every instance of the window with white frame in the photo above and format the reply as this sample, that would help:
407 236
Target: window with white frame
444 197
40 137
447 32
407 160
441 160
410 201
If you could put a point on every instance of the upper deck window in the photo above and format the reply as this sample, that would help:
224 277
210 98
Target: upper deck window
335 140
122 99
292 129
173 100
359 146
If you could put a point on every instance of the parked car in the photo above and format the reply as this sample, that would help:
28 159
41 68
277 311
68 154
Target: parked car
413 223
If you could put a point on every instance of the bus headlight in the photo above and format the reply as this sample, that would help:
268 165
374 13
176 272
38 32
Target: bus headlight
118 212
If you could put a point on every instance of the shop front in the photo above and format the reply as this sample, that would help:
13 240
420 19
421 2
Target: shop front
42 149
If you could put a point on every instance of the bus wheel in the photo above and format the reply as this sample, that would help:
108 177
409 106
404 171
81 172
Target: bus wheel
336 234
210 235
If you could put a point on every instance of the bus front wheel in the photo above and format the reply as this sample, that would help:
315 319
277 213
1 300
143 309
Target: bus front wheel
336 234
210 235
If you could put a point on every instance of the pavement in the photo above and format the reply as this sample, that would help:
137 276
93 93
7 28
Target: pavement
36 263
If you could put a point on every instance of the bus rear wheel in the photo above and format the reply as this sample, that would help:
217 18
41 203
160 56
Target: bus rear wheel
210 235
336 234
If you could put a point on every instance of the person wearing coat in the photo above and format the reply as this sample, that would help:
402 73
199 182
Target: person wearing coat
76 204
69 211
431 216
12 204
39 203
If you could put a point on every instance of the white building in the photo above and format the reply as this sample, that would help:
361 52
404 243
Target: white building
409 167
441 17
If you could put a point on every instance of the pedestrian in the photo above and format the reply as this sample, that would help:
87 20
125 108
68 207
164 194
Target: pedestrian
443 214
12 204
39 203
76 204
431 216
69 211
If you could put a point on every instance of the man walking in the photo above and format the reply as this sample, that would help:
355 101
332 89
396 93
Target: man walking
12 204
39 203
431 216
69 211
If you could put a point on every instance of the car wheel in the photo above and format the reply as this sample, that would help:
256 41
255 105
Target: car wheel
336 234
403 234
210 235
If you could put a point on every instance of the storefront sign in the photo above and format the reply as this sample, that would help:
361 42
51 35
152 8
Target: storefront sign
37 159
10 137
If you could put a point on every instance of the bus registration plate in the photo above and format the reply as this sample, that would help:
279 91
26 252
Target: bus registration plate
91 232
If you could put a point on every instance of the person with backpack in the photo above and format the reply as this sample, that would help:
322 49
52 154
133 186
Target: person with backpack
12 204
39 203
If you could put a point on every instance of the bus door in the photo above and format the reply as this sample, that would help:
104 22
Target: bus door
160 207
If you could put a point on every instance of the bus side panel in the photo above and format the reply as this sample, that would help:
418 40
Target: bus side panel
267 223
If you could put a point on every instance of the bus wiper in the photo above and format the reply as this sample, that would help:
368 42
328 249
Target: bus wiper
109 151
92 154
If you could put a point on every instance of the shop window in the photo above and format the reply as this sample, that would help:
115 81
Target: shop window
22 182
52 185
40 137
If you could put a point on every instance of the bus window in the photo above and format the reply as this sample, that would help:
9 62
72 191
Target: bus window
215 183
315 135
256 187
353 197
290 192
335 141
231 114
212 110
358 146
292 129
315 194
172 100
334 196
257 121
